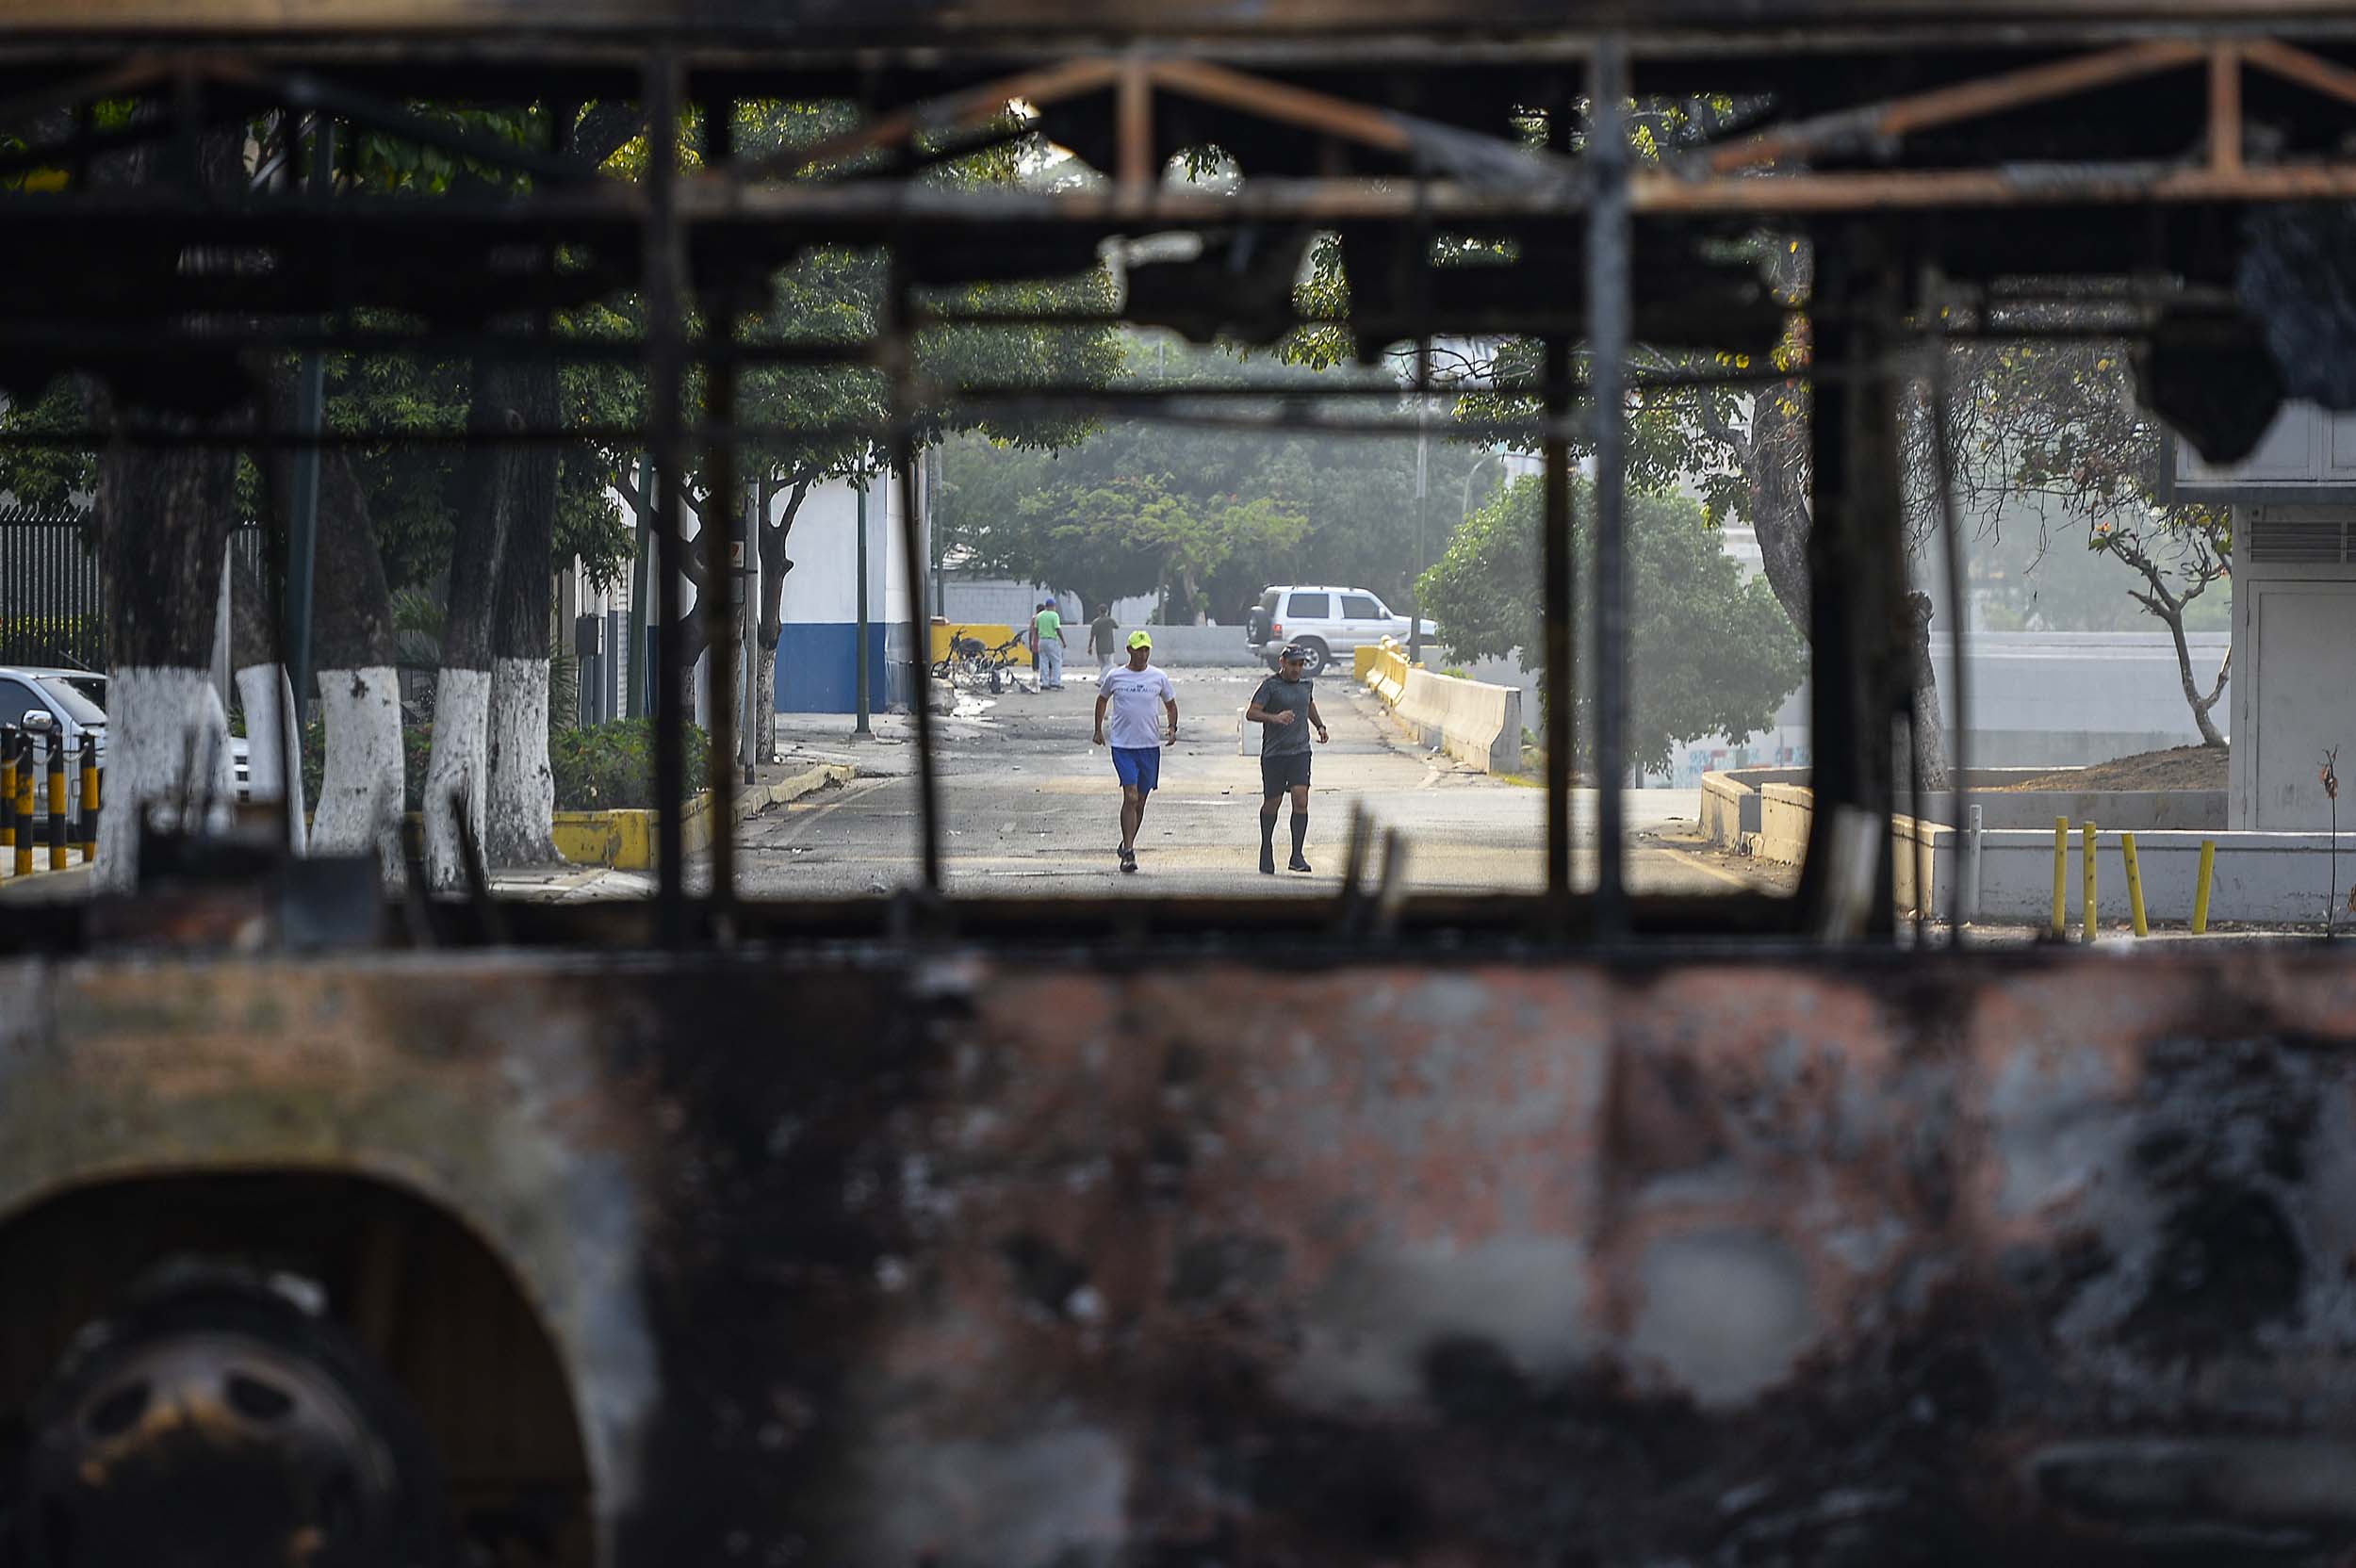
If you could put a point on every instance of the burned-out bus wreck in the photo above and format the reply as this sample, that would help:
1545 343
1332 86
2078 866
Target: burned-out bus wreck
1582 1227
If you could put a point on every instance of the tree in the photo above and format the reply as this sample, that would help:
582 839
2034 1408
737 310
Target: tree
1340 509
165 516
1711 653
362 786
838 294
2057 418
1126 536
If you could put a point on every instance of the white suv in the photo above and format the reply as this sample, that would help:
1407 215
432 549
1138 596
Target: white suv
1327 621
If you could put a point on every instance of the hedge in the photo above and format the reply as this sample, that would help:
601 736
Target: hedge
602 767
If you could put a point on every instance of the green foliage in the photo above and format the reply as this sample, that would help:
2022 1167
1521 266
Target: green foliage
610 766
47 476
603 767
30 639
1708 652
1142 506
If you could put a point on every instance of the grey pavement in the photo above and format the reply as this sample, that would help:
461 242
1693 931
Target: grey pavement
1031 808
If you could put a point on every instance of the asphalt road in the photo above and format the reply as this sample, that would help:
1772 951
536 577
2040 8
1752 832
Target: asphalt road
1032 808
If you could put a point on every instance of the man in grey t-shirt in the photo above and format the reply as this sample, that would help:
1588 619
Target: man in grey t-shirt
1286 707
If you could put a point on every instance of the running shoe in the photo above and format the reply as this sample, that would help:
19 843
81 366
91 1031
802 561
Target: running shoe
1297 863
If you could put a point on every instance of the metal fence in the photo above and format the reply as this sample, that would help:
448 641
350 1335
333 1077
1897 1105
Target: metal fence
51 608
53 605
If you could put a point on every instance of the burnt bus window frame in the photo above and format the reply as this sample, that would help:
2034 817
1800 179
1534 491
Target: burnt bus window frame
1893 232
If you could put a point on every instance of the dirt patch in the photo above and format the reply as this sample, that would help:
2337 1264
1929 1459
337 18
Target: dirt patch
2177 768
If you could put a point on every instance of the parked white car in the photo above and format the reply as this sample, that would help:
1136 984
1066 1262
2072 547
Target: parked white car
40 700
1325 620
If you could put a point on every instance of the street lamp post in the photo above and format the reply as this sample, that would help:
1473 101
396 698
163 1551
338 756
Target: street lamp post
861 730
1423 492
1463 508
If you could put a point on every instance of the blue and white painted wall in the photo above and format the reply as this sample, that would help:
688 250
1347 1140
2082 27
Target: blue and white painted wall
818 645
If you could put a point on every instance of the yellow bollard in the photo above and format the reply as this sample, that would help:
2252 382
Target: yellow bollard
2134 883
8 793
2087 832
2200 892
89 800
2061 878
58 801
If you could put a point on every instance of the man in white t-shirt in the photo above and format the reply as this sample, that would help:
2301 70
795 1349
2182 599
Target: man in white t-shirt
1136 695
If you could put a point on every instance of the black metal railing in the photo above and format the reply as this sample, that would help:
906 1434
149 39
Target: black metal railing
51 611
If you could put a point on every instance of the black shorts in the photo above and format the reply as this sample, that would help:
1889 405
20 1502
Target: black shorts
1287 772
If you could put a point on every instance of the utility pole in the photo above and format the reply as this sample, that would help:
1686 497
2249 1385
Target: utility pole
862 732
747 627
1423 491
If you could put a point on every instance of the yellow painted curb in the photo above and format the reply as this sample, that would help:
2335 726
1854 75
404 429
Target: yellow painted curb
624 839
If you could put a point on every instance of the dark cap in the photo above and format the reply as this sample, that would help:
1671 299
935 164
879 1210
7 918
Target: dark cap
1293 650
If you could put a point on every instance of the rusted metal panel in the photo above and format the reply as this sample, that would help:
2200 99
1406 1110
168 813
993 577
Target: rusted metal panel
1170 1259
450 1080
902 21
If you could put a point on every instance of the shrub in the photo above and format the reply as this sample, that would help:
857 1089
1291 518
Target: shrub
30 639
603 767
610 765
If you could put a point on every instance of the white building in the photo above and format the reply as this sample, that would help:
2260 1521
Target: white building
2294 498
817 658
818 645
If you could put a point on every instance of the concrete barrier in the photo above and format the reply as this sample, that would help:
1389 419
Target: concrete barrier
1784 812
1470 720
1730 802
2261 876
1386 674
1179 647
1732 806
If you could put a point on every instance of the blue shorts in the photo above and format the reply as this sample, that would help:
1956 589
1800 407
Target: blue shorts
1139 767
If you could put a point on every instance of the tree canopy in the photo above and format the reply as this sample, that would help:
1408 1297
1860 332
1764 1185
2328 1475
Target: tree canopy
1708 652
1207 517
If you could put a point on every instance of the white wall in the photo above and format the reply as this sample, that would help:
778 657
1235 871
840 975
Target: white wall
823 587
2293 695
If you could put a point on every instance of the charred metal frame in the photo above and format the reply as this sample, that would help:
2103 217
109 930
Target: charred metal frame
672 237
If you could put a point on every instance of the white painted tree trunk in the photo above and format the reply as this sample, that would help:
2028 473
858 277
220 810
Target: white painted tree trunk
360 794
273 743
765 704
158 720
523 789
462 715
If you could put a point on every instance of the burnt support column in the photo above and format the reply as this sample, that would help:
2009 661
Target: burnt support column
666 348
1856 585
900 339
1555 561
722 598
1609 236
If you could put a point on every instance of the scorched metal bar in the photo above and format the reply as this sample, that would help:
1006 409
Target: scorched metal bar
665 358
1609 305
1555 555
722 597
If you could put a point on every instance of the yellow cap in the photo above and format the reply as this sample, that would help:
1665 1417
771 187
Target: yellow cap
1139 640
